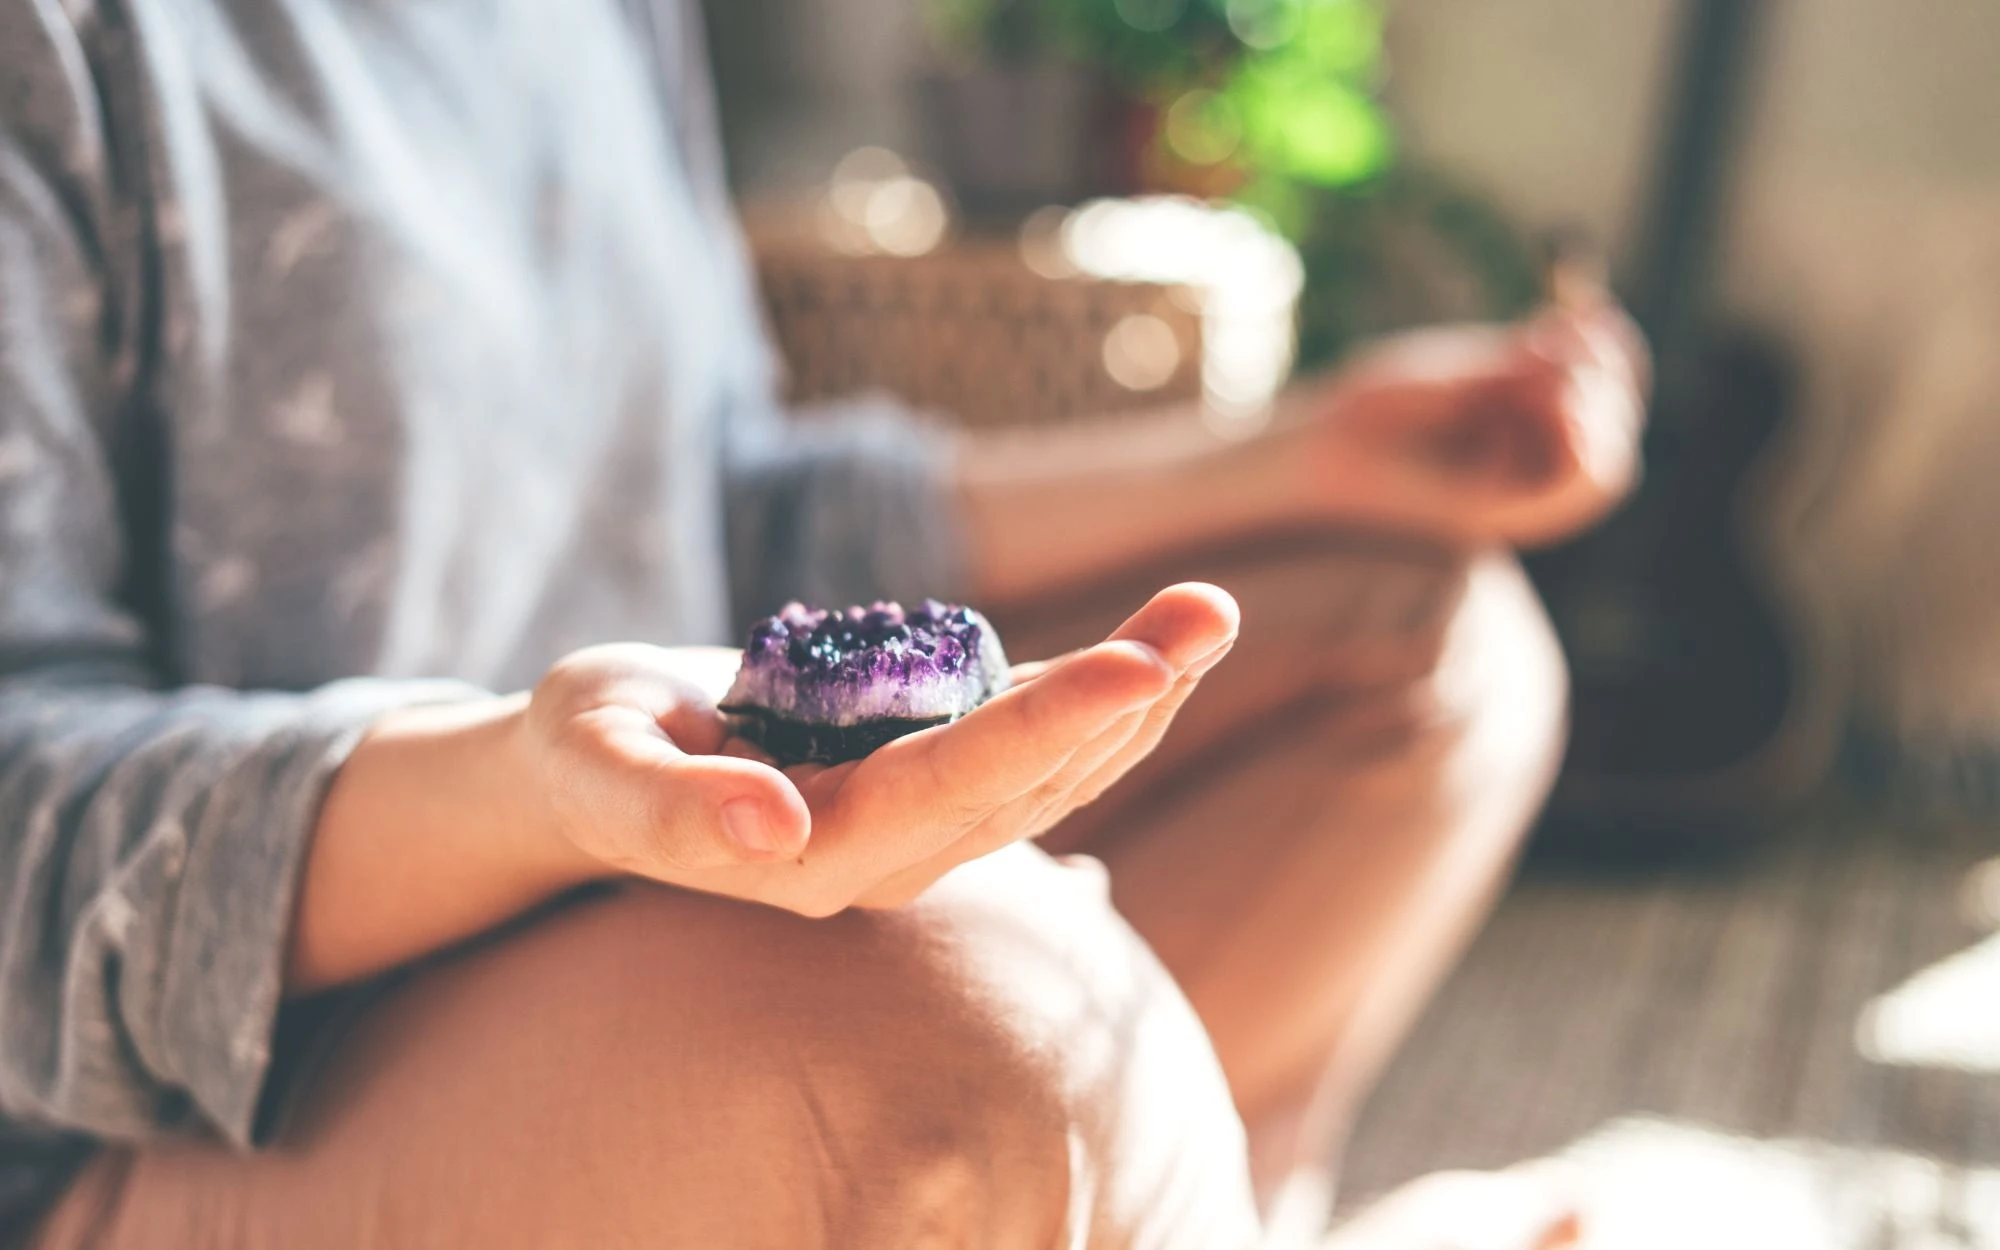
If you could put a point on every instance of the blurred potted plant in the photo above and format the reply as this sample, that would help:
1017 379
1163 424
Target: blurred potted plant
1271 103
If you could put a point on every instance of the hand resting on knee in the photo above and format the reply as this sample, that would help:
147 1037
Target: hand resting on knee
449 820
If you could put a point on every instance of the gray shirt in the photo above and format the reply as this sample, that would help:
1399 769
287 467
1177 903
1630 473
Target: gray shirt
352 353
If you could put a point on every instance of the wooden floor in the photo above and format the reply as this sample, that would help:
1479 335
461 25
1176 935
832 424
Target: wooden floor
1800 1049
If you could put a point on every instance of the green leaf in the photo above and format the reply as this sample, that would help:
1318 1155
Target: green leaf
1343 37
1307 125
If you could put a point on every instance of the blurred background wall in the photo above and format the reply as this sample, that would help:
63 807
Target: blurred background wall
1866 231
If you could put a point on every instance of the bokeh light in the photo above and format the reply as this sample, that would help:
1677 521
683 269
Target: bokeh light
1247 277
873 203
1203 128
1041 243
1263 24
1149 15
1141 352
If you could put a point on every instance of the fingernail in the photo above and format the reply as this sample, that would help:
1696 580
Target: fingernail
743 820
1210 658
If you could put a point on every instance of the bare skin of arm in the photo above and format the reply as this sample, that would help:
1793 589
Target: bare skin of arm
448 821
1473 435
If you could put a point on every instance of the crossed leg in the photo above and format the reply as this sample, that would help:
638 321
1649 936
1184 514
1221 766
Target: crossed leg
1003 1064
1329 821
1000 1065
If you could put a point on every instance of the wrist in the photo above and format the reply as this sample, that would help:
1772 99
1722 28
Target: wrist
436 828
486 786
517 782
1335 472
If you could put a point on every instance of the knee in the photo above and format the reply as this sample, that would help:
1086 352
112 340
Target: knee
1472 745
1153 1147
998 1061
1478 694
1365 618
1501 684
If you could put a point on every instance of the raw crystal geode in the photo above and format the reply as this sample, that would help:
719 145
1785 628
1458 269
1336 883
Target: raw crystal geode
831 686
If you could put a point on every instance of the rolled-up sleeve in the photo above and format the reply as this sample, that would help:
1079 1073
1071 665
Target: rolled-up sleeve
844 504
150 838
150 846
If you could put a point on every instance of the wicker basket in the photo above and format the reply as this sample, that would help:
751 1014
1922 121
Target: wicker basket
967 331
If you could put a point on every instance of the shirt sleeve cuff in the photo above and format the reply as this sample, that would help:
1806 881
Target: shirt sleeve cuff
224 970
860 507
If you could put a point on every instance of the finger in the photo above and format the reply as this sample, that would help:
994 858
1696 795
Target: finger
618 769
744 749
1208 620
1601 347
1197 622
937 784
889 825
672 687
1185 623
1625 342
1027 816
1540 432
1023 673
826 776
1142 742
1192 625
1607 415
1598 332
1565 445
1592 411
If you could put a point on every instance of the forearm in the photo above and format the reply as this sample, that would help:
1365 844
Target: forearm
435 830
1047 509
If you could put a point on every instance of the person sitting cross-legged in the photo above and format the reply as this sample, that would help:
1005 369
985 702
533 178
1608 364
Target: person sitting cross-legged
387 443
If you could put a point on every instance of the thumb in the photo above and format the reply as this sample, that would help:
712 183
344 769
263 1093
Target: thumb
709 811
647 807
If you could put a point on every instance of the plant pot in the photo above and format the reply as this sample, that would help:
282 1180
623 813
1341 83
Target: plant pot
1010 139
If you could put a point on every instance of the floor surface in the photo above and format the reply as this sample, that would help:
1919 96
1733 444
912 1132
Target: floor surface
1796 1050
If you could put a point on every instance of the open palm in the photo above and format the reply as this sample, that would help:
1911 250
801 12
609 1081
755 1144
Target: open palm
642 780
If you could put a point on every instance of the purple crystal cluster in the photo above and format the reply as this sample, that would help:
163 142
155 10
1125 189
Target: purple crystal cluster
822 685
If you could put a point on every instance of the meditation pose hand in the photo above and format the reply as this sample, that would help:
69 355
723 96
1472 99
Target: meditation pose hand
1474 435
639 781
448 820
1521 434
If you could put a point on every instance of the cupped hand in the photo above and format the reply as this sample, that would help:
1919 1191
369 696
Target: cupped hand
1522 434
642 779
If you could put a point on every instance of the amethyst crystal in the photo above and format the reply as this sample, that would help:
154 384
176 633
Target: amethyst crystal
832 686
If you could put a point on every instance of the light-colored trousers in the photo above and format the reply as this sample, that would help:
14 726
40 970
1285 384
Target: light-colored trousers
1007 1063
